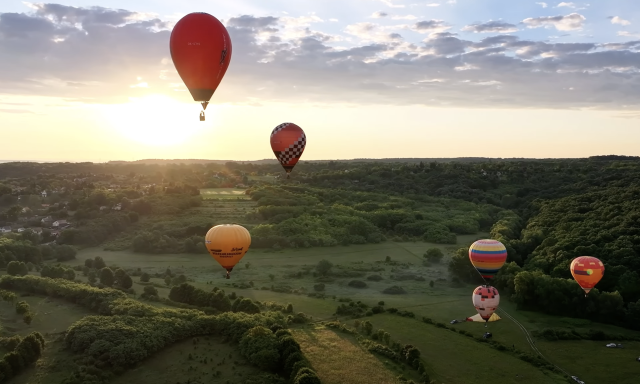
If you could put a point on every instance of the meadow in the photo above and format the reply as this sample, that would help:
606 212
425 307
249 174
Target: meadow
450 357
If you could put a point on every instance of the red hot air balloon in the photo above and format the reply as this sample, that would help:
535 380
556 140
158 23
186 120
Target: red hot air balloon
587 270
288 142
201 52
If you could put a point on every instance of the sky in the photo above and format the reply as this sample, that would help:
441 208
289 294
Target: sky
93 80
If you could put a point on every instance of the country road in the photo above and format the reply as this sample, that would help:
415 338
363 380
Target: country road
530 339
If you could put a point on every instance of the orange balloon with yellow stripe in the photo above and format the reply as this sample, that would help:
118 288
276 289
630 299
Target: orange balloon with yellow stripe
587 271
227 244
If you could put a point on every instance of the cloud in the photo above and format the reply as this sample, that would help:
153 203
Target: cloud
433 5
628 34
429 26
567 5
619 20
390 3
379 14
95 55
491 27
570 22
543 5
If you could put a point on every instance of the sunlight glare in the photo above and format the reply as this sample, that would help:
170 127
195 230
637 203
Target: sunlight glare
158 120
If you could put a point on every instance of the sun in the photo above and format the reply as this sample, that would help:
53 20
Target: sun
158 120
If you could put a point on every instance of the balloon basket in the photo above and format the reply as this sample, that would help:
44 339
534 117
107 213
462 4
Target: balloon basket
202 116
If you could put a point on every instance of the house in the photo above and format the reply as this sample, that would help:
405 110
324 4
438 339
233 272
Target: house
60 223
44 193
26 210
20 230
6 229
47 220
104 208
117 207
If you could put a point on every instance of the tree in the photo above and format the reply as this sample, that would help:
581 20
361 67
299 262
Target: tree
433 255
88 263
65 252
106 277
460 267
272 277
22 307
260 346
324 267
119 274
431 283
126 282
92 277
69 274
17 268
145 277
167 280
27 318
150 290
98 263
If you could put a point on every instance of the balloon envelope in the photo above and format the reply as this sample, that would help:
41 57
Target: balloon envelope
288 142
228 243
587 271
487 256
201 51
486 299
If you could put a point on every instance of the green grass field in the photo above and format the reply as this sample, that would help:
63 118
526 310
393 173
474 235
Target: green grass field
223 193
452 358
338 359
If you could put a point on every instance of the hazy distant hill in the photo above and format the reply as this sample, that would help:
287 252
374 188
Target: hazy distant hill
387 160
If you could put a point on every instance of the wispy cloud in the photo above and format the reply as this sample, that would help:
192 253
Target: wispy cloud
619 20
390 3
570 22
543 5
491 27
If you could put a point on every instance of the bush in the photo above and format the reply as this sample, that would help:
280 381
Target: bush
260 346
433 255
394 290
357 284
319 287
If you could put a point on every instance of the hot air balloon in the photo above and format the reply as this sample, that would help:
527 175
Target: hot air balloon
486 299
288 142
228 243
487 256
587 271
201 52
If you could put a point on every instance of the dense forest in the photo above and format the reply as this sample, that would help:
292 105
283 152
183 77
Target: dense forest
545 211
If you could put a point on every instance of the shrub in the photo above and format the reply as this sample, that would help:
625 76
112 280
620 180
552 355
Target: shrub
357 284
394 290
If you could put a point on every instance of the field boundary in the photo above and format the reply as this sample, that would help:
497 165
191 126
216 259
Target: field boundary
530 339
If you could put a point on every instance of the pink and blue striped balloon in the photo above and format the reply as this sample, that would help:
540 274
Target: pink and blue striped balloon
487 256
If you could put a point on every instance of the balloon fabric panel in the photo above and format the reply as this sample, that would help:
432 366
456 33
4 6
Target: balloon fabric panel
487 256
201 51
486 300
288 142
587 271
